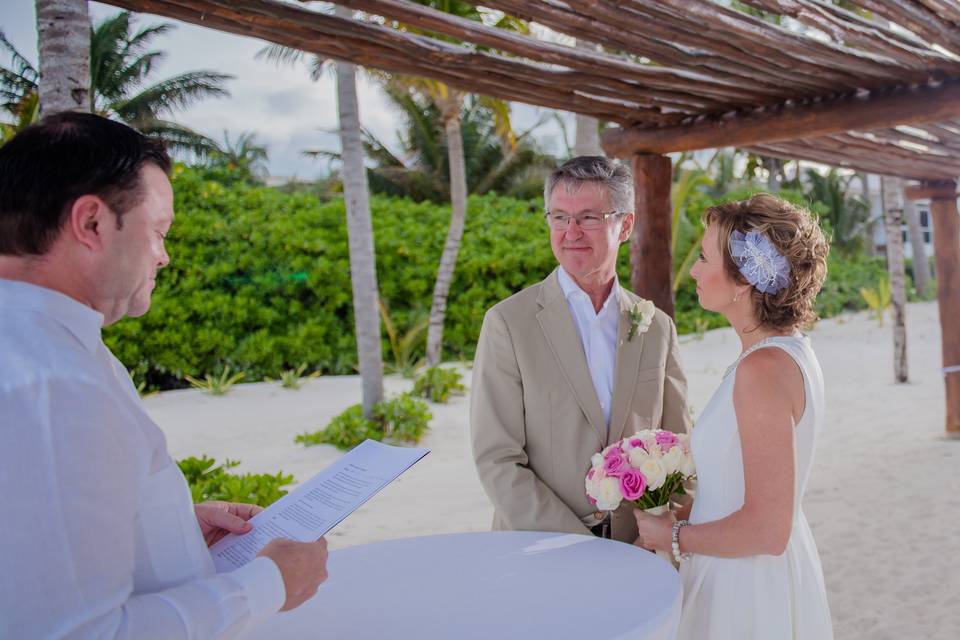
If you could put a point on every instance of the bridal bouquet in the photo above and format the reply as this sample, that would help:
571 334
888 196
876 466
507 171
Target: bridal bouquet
646 469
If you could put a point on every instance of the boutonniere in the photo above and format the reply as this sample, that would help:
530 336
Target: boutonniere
641 315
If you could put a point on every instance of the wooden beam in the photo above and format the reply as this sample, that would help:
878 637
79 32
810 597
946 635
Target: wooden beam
651 261
946 248
932 190
928 103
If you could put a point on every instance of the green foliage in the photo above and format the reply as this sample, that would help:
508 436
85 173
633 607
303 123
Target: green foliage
437 384
399 419
845 277
216 385
422 171
260 280
405 347
120 68
878 299
209 481
293 378
239 160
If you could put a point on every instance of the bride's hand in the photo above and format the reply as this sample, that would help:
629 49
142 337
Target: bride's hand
655 532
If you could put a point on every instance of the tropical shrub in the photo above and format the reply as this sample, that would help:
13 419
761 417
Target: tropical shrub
437 384
210 481
400 419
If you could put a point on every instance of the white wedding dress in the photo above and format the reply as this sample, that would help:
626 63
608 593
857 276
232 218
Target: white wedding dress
758 597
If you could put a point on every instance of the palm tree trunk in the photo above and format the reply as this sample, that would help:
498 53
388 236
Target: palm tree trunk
921 267
63 28
451 248
892 193
587 134
772 165
363 271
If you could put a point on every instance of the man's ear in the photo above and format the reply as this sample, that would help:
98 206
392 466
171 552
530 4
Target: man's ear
627 227
89 216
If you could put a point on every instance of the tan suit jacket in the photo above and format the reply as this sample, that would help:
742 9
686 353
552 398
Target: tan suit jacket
535 419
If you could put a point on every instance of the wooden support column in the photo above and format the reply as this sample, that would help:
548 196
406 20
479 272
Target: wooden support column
946 246
651 261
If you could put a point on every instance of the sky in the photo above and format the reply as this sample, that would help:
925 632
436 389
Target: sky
286 110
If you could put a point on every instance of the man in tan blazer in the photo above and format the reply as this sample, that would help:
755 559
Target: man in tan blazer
556 378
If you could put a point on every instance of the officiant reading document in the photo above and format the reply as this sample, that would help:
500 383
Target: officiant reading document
100 538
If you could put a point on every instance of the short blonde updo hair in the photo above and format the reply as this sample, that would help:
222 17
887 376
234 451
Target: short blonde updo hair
796 234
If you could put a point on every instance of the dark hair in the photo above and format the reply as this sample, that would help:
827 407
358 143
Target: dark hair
796 234
48 165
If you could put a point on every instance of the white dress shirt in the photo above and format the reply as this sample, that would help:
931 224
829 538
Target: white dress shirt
99 538
598 335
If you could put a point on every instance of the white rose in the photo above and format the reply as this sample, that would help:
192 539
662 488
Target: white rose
673 460
687 468
596 461
647 311
607 494
654 472
637 457
649 439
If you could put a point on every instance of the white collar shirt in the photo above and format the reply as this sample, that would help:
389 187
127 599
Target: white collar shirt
99 536
598 335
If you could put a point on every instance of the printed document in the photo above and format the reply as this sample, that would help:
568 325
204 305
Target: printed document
318 505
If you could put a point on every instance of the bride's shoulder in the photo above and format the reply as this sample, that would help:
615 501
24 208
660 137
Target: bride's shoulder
769 368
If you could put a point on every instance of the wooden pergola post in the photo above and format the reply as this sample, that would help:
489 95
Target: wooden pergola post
651 260
946 246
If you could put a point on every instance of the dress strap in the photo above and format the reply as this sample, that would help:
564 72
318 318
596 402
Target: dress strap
759 345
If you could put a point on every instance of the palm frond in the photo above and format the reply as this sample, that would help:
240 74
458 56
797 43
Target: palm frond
180 139
173 94
21 67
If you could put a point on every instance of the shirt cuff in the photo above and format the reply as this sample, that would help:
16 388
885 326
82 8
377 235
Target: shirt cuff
263 585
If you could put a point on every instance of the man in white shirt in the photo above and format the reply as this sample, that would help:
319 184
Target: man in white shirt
560 372
100 537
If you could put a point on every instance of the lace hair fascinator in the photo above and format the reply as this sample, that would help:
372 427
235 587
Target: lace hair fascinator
759 261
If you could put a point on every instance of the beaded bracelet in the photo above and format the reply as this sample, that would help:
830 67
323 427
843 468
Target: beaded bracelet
675 541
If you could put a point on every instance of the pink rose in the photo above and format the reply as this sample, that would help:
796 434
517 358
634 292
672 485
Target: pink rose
637 442
632 484
666 439
614 464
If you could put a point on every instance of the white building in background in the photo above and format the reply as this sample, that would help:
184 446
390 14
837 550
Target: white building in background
879 235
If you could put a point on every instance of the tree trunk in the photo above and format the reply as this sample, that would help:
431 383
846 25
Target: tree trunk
773 167
587 134
921 267
451 248
363 270
946 239
892 193
63 28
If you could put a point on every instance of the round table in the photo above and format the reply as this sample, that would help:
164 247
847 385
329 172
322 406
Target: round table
489 586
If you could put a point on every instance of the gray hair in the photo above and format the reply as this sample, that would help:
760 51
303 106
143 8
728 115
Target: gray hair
614 177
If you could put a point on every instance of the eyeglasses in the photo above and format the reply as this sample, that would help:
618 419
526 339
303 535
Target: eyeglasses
587 221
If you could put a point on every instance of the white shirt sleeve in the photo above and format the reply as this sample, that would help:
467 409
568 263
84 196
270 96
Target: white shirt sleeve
72 467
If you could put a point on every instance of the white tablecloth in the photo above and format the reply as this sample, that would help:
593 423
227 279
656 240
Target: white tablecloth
489 586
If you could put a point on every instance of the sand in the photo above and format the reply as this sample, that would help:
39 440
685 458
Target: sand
883 500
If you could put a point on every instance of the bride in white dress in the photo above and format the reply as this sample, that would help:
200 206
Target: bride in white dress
750 567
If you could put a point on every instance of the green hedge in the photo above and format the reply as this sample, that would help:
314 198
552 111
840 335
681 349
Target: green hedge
260 280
